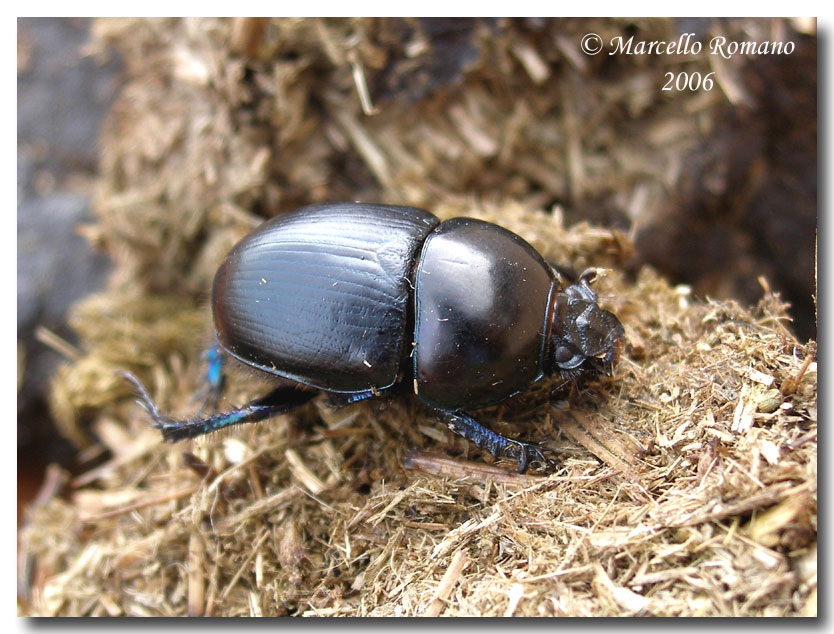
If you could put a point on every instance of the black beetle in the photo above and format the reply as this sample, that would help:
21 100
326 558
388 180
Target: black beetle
353 298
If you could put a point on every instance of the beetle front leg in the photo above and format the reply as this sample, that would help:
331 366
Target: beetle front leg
279 401
499 446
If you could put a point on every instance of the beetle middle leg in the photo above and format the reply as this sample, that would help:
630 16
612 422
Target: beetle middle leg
213 380
499 446
338 401
281 400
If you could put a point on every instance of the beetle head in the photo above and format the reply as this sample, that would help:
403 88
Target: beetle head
584 336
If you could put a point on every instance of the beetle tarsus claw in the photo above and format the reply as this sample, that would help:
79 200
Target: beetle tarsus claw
145 401
531 454
522 460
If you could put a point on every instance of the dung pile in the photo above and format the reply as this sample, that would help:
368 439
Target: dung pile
686 482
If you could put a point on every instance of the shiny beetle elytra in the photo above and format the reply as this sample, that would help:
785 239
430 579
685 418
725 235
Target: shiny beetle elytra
353 298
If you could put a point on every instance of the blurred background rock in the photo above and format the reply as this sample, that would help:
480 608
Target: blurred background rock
62 97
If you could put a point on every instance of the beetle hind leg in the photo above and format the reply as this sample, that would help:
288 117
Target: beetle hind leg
279 401
499 446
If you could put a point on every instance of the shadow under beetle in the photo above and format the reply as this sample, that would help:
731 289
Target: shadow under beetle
352 298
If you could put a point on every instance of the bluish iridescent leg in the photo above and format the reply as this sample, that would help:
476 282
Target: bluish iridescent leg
279 401
214 379
338 401
214 368
496 444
